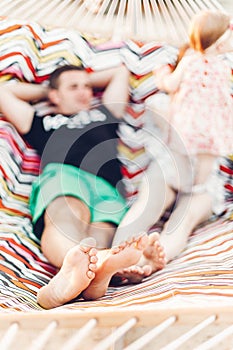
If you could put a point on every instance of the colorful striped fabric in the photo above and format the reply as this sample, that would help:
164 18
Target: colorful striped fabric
203 270
201 275
23 268
30 53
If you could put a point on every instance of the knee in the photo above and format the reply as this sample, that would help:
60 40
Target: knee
64 209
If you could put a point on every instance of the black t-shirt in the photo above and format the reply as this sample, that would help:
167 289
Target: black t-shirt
87 140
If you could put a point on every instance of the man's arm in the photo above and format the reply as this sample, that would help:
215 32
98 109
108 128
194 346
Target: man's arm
14 103
116 94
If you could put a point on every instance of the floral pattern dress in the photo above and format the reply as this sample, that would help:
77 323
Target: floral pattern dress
202 108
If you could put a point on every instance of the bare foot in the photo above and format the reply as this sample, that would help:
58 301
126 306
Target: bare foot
153 259
153 255
112 260
76 273
133 274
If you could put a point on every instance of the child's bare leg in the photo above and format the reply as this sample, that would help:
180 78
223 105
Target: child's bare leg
189 213
205 166
191 210
110 261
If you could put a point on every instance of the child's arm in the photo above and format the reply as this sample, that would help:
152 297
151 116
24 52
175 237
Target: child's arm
169 80
14 103
116 94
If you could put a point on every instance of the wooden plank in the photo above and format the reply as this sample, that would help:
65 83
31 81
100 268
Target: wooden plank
107 317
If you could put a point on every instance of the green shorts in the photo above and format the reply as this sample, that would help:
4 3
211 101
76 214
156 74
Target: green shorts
103 200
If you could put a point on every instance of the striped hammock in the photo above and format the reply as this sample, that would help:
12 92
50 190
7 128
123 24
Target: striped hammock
187 305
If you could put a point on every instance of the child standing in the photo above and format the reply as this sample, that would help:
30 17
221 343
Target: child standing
200 130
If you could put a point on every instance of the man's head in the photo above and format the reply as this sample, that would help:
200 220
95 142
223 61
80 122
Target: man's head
70 89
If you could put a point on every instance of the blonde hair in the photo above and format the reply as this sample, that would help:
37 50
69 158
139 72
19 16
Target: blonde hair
206 28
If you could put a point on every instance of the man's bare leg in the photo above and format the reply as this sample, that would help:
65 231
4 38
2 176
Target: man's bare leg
76 273
189 212
154 256
103 233
155 196
66 224
110 261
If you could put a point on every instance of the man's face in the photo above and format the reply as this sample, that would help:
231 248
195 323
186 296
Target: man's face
74 92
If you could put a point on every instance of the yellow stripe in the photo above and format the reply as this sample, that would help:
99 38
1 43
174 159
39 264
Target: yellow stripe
135 83
15 196
22 39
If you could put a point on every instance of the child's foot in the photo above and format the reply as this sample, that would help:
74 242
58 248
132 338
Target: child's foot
153 259
153 255
76 273
113 260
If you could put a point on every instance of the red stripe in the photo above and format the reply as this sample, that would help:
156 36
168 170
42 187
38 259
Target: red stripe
226 170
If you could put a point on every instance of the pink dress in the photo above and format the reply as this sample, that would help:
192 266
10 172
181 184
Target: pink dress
202 108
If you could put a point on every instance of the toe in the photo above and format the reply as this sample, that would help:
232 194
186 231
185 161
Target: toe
115 250
153 237
93 252
93 259
90 274
147 270
142 242
92 267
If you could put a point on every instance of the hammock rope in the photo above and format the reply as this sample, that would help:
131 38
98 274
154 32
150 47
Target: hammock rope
165 20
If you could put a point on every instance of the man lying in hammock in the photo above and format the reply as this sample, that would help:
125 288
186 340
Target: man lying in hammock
75 203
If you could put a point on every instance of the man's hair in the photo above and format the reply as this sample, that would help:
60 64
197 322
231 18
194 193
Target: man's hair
206 28
54 77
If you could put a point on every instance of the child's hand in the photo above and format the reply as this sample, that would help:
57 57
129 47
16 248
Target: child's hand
160 73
